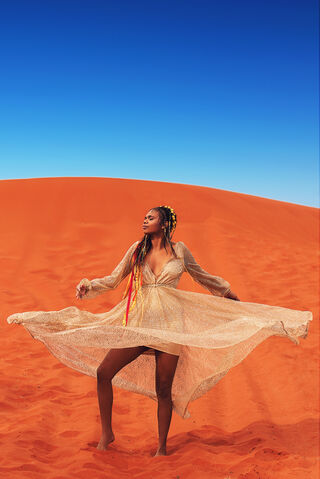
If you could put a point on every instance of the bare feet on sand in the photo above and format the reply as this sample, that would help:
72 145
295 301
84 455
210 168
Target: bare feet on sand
104 441
161 452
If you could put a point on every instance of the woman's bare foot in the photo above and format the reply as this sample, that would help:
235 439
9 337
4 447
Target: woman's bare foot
161 451
104 441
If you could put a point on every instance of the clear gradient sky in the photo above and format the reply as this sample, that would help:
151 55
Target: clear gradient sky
213 93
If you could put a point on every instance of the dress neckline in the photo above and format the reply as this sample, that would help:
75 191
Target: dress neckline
165 264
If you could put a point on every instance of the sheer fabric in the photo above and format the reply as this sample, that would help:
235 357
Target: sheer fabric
209 332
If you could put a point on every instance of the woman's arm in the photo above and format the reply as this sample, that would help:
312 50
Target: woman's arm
91 289
215 284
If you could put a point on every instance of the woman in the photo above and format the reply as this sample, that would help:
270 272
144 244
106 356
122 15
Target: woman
159 224
195 338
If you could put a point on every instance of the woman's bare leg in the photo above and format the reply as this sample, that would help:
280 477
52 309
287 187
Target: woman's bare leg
115 360
166 365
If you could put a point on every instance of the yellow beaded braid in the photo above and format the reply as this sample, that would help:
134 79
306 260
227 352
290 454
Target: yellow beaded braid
173 216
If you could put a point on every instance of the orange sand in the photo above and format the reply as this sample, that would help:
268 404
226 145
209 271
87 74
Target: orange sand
259 421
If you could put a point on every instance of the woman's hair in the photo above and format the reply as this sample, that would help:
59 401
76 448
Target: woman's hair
166 214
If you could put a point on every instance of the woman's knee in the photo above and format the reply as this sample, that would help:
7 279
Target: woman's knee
104 373
116 359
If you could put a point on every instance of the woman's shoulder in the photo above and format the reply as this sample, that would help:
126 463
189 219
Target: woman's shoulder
134 245
181 243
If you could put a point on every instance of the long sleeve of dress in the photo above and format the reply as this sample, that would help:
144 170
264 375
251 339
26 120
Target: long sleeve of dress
100 285
215 284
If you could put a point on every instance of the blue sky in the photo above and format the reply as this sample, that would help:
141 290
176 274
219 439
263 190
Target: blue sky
213 93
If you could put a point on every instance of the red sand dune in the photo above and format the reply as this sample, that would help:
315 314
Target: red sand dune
260 421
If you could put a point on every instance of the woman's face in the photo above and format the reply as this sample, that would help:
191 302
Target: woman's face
151 222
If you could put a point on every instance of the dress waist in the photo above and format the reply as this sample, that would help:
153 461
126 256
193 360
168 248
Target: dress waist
156 284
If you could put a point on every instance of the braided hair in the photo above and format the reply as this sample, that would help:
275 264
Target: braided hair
166 215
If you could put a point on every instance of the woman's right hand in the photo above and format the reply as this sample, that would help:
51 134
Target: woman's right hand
82 288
